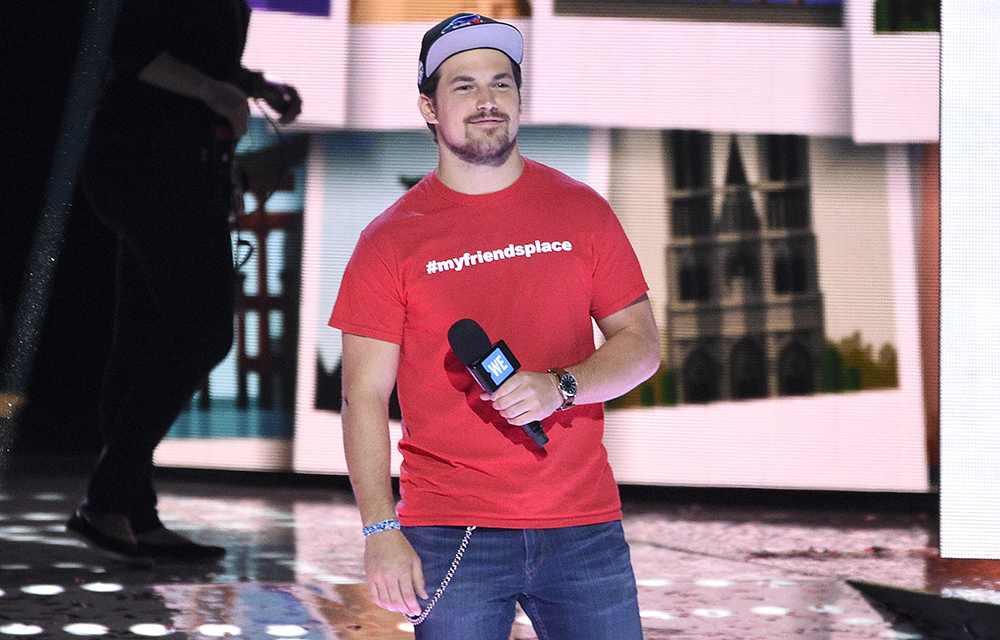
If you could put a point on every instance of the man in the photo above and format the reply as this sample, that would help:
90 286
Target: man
489 518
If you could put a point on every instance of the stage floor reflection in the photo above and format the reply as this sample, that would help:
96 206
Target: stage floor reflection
712 568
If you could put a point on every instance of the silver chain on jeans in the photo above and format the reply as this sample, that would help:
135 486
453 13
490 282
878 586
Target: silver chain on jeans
447 578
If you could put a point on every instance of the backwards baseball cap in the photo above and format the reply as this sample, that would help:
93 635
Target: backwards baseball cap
464 32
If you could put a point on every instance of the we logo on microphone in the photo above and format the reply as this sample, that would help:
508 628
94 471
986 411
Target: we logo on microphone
493 369
499 367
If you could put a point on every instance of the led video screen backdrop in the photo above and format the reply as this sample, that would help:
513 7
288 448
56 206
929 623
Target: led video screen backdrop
774 166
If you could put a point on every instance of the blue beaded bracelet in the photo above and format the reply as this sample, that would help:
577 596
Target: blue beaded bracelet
385 525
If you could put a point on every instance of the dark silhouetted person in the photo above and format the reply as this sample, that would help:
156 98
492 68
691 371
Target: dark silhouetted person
158 172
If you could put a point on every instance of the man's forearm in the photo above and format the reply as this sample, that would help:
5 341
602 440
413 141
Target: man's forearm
369 374
167 72
367 448
226 99
629 357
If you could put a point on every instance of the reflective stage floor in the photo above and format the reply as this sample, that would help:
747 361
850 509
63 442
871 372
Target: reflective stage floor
709 564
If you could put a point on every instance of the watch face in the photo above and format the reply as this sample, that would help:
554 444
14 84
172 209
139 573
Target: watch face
567 383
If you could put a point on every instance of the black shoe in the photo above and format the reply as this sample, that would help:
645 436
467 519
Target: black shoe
105 544
181 551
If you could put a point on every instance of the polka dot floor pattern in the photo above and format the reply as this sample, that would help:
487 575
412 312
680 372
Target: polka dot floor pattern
293 568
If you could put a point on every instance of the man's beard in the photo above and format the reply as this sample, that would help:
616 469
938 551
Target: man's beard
491 150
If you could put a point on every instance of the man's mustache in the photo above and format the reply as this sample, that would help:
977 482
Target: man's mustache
489 114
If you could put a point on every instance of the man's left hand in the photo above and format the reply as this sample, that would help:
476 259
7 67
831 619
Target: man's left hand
526 396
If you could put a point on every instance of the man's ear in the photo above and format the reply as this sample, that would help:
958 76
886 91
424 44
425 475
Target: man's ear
426 106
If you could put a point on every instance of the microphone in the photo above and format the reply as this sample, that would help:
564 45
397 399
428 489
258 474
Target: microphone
490 364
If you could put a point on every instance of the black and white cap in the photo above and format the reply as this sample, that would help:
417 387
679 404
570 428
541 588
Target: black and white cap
464 32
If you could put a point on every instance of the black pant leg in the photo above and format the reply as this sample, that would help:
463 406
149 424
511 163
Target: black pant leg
174 314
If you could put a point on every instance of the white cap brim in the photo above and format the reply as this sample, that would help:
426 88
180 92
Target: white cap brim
490 35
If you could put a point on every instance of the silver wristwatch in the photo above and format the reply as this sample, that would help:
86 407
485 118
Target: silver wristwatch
567 387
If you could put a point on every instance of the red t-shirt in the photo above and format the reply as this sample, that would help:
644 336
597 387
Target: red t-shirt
531 264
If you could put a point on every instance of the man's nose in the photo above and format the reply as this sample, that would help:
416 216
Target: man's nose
485 100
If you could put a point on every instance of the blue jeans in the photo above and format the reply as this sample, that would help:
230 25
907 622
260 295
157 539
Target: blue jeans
574 583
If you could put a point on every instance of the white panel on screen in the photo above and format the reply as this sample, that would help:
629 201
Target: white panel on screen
309 52
970 280
894 80
691 75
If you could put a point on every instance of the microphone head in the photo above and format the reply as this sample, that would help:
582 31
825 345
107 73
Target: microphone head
469 341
